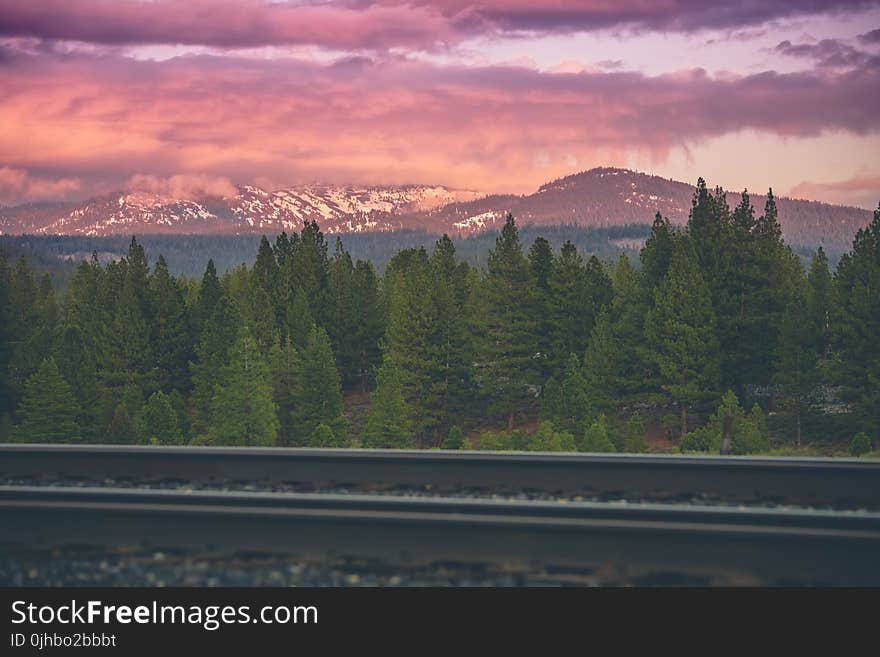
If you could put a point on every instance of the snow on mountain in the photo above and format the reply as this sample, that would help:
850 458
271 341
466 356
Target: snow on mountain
337 209
597 198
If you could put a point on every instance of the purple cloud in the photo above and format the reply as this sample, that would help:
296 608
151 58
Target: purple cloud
830 53
377 24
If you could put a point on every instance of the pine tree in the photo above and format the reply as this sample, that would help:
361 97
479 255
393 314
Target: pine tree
657 253
389 423
131 353
454 440
411 322
159 422
601 369
861 444
369 323
243 410
596 438
340 328
170 331
41 312
7 340
566 402
122 429
285 361
541 265
265 272
300 319
570 316
797 358
508 343
311 269
137 271
212 354
680 330
317 393
78 367
88 305
634 435
48 411
858 325
323 436
450 348
261 320
820 299
546 439
22 318
616 364
730 430
210 292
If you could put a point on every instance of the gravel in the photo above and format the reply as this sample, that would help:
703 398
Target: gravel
136 567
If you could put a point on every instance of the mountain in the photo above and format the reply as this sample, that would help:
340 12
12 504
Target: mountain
599 197
605 197
253 210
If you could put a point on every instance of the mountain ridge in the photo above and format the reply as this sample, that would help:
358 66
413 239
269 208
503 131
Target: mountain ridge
599 197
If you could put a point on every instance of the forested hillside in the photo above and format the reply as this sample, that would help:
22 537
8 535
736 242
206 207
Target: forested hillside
186 255
716 336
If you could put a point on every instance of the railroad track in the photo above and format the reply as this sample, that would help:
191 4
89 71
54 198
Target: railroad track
791 543
838 483
763 545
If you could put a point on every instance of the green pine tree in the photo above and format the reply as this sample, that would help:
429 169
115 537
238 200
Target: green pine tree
159 421
368 323
170 331
48 410
857 348
634 435
450 350
212 354
567 402
210 292
797 359
508 331
454 440
389 423
680 330
317 397
596 437
285 361
547 439
243 410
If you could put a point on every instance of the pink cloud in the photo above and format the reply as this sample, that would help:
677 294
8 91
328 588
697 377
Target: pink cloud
376 24
226 23
17 186
189 186
862 190
391 120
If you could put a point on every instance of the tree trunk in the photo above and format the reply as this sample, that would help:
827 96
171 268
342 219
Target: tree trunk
798 416
510 423
684 420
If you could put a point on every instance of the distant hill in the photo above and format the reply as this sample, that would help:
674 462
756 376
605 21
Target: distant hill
598 198
607 197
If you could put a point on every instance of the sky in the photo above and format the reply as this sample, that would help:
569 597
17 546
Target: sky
193 97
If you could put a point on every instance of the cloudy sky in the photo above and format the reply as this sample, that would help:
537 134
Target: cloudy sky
493 95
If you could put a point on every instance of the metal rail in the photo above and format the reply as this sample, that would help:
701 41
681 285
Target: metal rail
804 481
760 545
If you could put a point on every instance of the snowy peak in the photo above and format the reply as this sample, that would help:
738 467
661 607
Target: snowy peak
253 209
600 197
338 209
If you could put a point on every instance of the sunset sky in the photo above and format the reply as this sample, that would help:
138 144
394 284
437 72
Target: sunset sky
194 96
